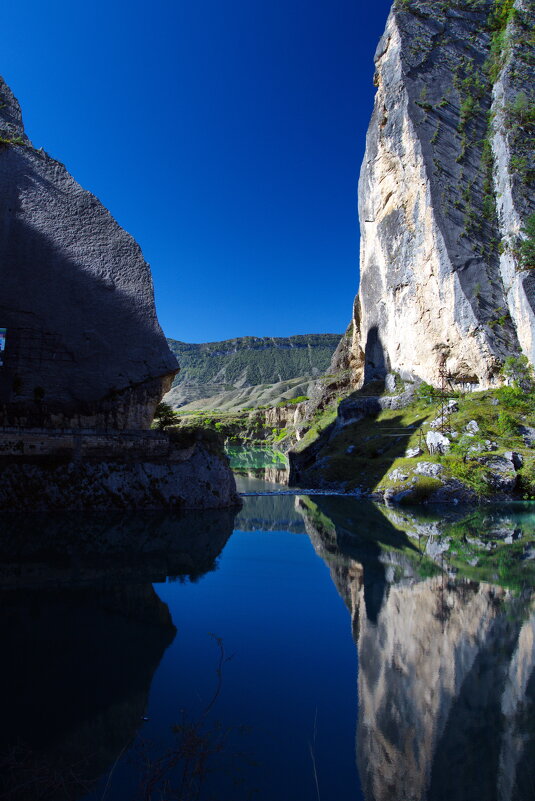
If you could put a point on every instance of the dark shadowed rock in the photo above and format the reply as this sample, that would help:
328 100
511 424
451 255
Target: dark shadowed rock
84 353
83 343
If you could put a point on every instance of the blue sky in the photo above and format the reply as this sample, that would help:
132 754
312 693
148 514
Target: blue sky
225 135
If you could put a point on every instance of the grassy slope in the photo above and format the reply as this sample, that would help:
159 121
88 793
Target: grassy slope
379 443
260 395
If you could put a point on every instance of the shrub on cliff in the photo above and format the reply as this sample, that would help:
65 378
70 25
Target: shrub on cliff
518 372
164 416
527 245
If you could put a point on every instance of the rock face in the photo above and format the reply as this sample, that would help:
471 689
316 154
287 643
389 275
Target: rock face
144 470
443 193
83 345
193 480
85 361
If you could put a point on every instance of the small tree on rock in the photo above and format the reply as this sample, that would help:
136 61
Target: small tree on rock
164 416
518 372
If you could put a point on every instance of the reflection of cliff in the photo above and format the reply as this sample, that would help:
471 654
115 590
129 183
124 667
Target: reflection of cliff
78 664
357 547
270 513
82 633
45 549
446 669
270 475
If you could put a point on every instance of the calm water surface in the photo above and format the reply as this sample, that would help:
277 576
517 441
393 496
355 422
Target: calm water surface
350 650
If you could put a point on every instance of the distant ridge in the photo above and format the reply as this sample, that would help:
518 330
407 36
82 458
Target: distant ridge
211 369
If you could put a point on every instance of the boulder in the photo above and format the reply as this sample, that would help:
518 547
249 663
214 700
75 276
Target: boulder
390 382
431 469
411 453
472 427
528 435
516 459
437 442
397 475
501 474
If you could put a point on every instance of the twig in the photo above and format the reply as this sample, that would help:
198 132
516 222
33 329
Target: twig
110 774
313 755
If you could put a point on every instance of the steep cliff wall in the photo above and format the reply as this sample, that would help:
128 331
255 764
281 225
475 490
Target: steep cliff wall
445 187
83 344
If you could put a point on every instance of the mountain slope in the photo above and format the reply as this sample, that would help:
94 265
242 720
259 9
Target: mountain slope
236 365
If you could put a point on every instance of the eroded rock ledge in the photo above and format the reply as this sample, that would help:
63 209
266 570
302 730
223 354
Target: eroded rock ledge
121 470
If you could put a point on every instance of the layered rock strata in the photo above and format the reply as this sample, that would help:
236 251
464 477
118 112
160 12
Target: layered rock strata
152 472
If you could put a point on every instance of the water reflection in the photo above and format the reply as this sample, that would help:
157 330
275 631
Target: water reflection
442 613
446 663
82 633
62 548
276 476
251 458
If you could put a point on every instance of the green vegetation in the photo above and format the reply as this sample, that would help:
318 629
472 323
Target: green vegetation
370 453
502 13
254 457
521 111
235 428
186 436
518 372
292 401
527 245
479 553
319 423
253 360
164 416
427 393
16 140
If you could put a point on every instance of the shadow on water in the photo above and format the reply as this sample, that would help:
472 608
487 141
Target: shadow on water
446 680
82 633
360 539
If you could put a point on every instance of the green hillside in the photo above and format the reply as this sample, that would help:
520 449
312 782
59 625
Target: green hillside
212 368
